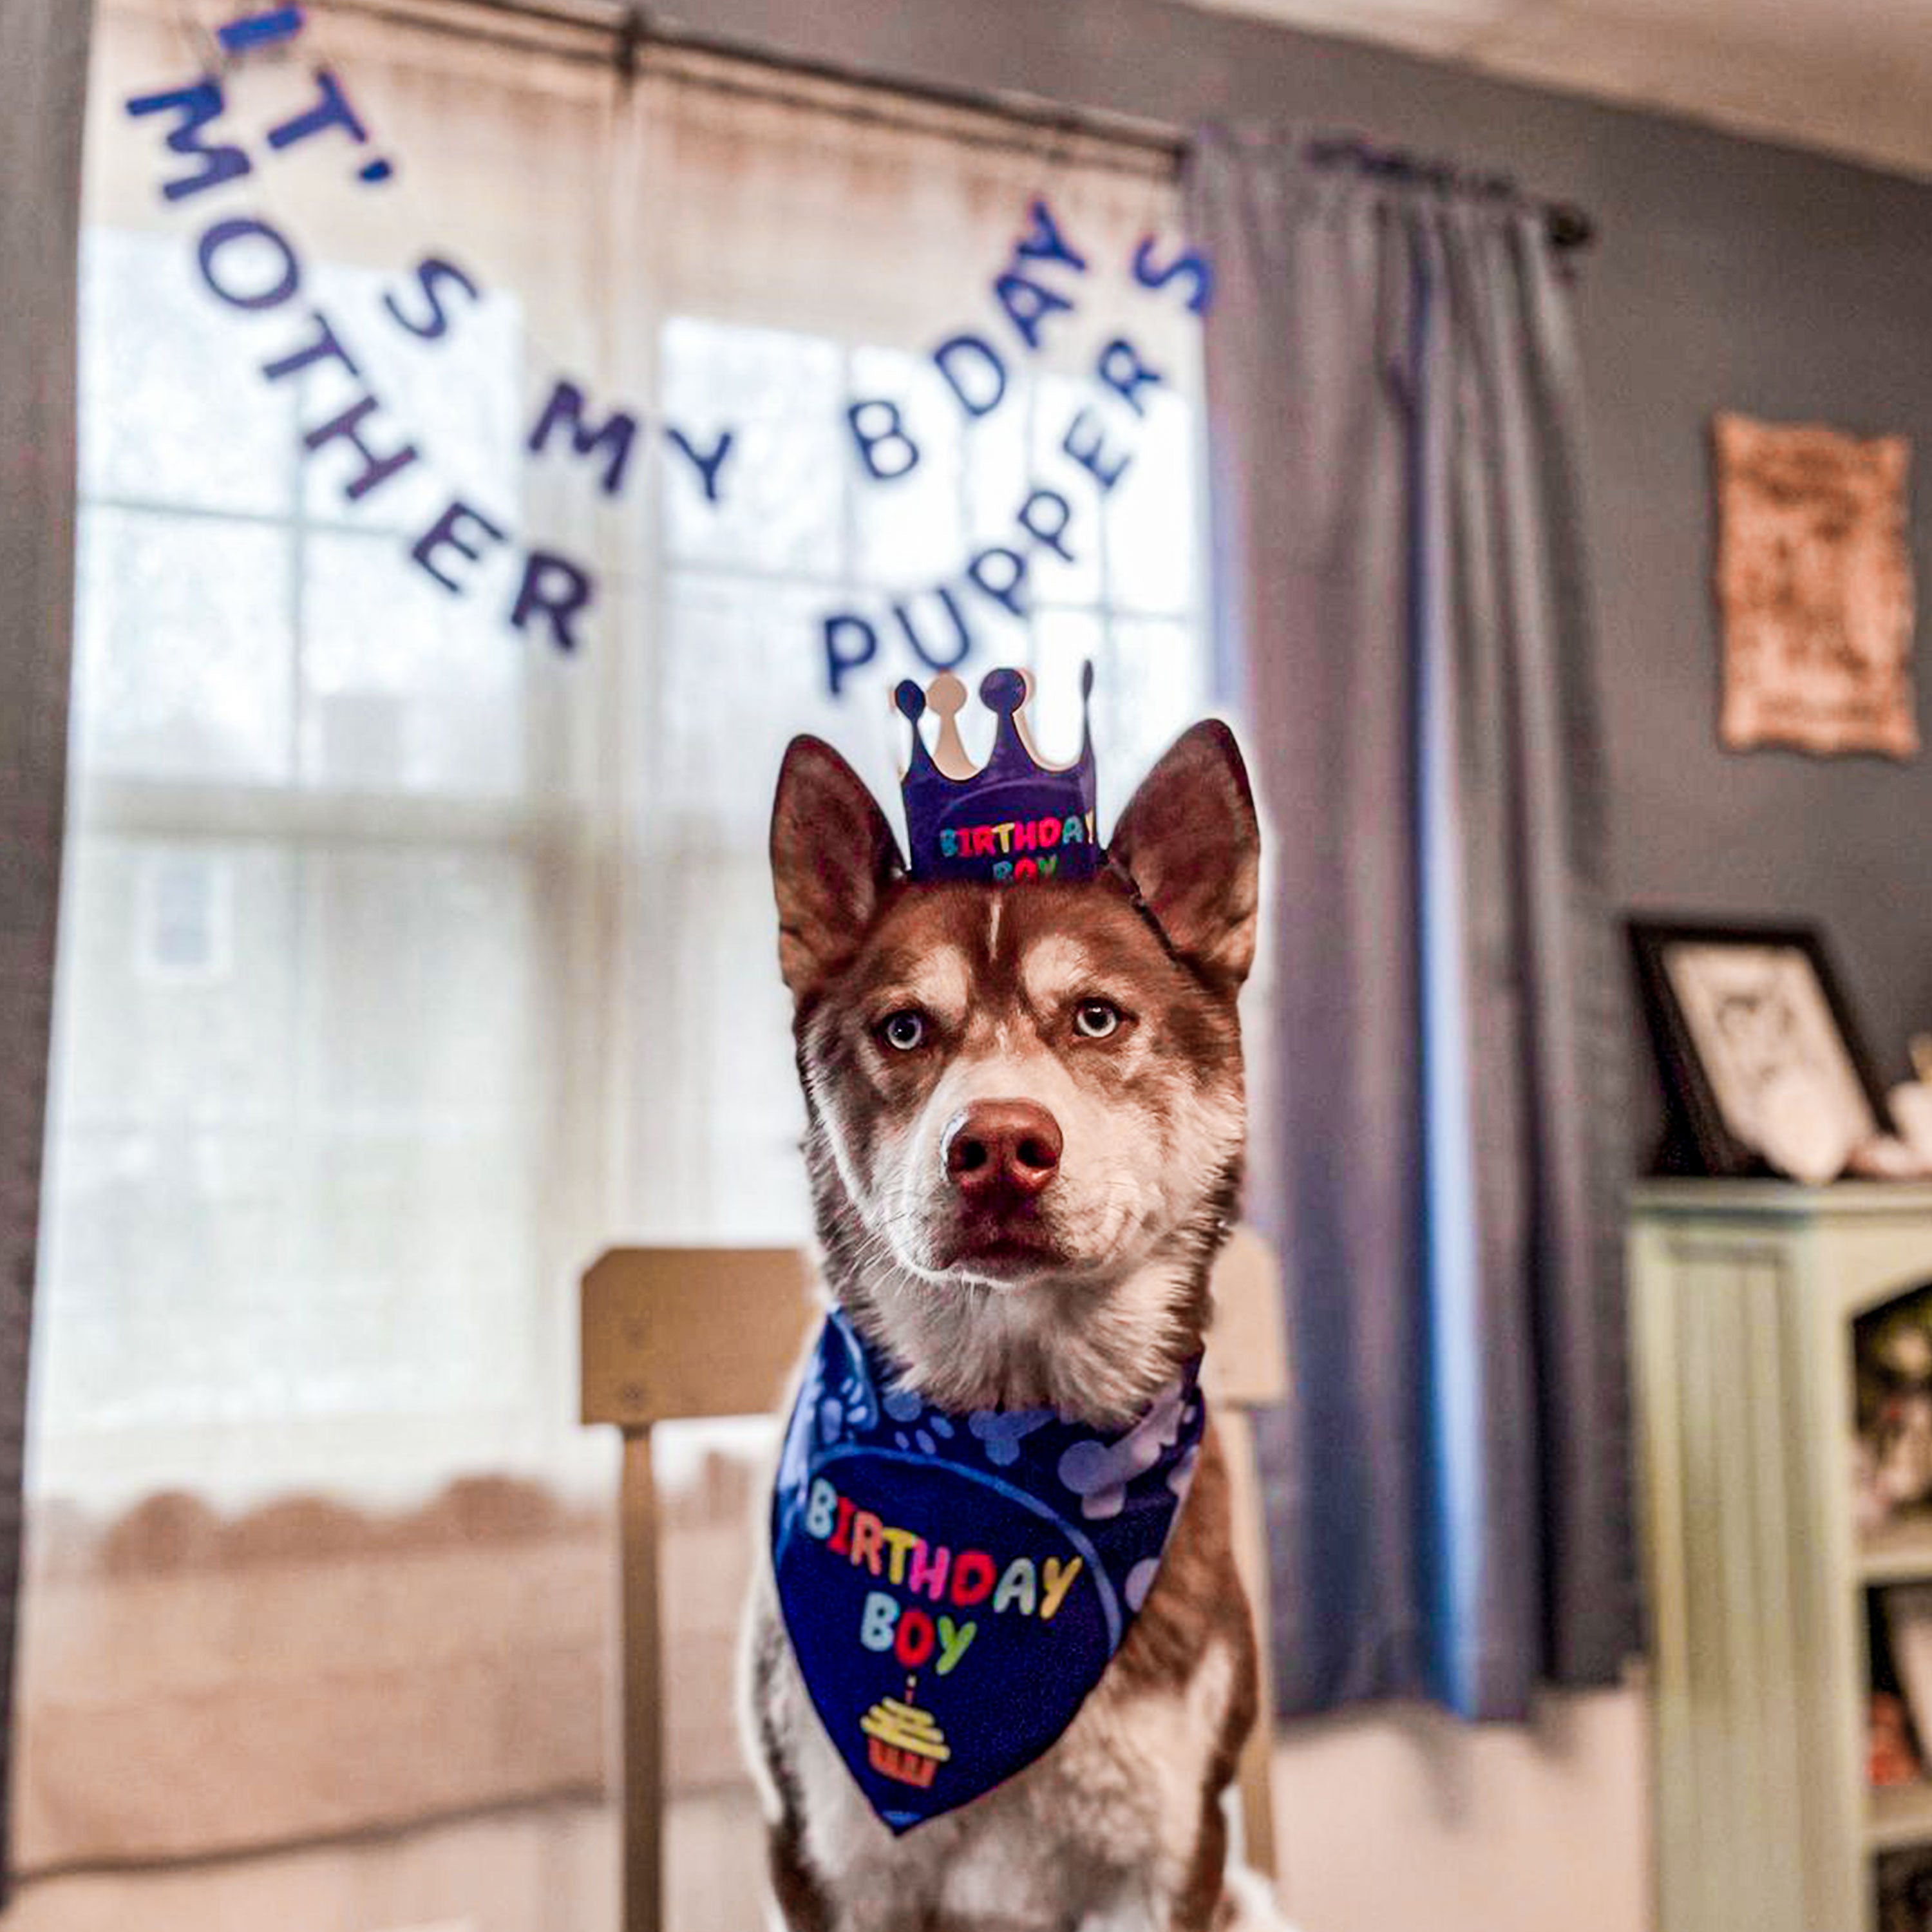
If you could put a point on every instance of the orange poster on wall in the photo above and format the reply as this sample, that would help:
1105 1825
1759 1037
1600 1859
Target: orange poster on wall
1814 585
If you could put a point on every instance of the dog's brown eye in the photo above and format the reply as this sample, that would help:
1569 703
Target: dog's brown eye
903 1031
1095 1019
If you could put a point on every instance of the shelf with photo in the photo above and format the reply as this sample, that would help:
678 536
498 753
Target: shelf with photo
1892 1354
1764 1070
1784 1340
1895 1768
1891 1350
1904 1880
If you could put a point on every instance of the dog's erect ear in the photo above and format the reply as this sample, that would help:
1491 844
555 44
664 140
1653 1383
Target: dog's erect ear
832 856
1190 840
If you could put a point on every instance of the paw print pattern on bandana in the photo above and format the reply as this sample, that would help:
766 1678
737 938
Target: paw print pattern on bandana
1000 1432
1140 1581
859 1401
794 1461
857 1397
902 1406
1098 1473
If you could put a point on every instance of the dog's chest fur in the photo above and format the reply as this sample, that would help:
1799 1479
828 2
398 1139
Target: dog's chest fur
1117 1826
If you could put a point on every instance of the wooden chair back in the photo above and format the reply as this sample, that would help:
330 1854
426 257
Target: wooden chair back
675 1334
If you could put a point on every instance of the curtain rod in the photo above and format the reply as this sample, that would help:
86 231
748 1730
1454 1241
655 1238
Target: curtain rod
631 32
639 32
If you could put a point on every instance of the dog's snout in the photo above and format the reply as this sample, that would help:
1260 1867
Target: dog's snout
1009 1147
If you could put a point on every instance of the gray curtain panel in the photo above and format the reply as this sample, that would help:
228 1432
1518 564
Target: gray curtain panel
43 92
1401 594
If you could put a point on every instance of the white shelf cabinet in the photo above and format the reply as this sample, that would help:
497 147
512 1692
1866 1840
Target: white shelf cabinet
1743 1296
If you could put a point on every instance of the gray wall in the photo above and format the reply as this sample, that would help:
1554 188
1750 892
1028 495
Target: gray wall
1727 273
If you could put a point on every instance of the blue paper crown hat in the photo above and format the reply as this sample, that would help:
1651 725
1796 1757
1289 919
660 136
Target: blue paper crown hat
1017 817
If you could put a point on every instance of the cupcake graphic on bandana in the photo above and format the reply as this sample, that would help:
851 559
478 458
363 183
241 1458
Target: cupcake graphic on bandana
906 1742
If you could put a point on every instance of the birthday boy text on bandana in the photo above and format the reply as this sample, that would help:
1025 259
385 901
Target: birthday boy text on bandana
964 1579
954 1586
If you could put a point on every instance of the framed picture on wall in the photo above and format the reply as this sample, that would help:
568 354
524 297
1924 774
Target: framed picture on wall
1762 1065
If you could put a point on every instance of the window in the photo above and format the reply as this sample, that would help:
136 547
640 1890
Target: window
296 1177
407 959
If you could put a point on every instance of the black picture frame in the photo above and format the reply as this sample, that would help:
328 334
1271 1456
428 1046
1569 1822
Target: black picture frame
1699 1138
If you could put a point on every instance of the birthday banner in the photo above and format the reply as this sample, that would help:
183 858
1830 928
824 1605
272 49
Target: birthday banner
252 266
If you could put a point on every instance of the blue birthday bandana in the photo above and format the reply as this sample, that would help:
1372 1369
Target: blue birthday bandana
954 1585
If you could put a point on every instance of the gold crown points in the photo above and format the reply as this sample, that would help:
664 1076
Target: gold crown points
945 697
959 816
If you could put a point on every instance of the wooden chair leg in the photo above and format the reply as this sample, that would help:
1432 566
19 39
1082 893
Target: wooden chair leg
643 1708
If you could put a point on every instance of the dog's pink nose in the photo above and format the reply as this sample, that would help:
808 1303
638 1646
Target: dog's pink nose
1002 1146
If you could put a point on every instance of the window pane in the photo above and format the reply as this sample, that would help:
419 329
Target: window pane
1064 641
743 672
421 987
1151 513
298 1183
998 470
222 1280
723 1164
406 686
910 529
1157 685
1070 572
173 410
456 399
782 493
177 979
1150 684
175 1097
184 647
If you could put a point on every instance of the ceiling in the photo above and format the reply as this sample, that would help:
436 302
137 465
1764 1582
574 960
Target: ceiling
1851 76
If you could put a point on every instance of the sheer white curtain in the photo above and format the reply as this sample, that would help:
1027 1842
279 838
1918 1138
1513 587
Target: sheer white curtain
408 959
321 1158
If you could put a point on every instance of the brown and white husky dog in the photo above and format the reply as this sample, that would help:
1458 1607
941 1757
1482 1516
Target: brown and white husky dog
1026 1125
